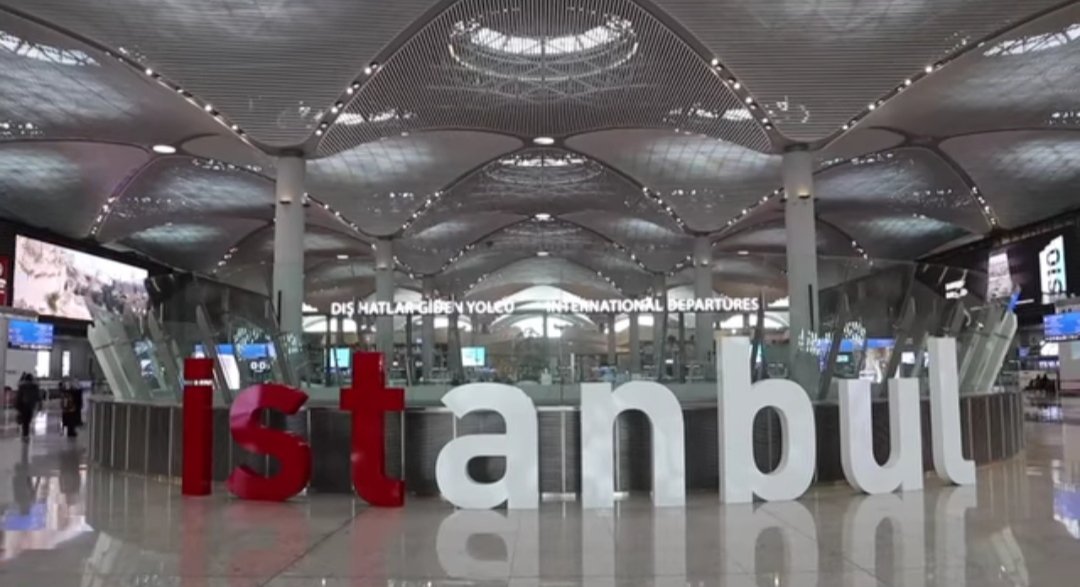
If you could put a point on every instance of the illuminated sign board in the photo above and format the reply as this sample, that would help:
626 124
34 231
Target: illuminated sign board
1052 271
483 307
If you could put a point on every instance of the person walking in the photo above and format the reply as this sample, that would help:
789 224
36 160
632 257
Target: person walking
27 402
71 406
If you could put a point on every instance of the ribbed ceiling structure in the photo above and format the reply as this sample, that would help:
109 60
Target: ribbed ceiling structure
551 68
505 144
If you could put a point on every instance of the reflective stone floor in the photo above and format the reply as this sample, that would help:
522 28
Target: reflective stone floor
66 526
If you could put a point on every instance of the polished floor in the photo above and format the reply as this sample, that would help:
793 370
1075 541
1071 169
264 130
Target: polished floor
66 526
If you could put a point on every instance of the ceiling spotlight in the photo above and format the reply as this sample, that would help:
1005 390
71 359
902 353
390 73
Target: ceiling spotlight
929 69
715 62
542 253
209 107
744 253
544 141
164 149
543 217
342 257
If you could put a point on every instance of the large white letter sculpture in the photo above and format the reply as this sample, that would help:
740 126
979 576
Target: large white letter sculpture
945 414
904 468
599 408
737 405
519 486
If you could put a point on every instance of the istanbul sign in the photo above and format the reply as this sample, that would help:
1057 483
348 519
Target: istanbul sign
483 307
739 400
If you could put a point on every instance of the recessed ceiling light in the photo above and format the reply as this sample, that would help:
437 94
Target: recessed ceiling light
342 257
544 141
543 216
542 253
164 149
744 253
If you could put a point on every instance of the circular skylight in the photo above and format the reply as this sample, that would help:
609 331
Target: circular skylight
611 31
544 167
564 52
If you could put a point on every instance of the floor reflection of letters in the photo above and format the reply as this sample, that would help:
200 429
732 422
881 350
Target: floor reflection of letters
830 538
851 538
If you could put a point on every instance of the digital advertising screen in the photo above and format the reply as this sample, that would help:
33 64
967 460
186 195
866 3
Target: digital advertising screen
473 356
56 281
1037 268
999 276
30 336
1061 327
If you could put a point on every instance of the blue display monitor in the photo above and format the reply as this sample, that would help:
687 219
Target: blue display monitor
30 336
256 350
848 346
248 352
473 356
341 358
1061 327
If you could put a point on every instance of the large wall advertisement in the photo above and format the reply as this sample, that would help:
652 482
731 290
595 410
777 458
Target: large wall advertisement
56 281
1036 271
1036 267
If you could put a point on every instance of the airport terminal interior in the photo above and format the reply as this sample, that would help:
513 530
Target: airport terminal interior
749 293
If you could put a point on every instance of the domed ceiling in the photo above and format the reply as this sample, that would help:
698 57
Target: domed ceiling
504 144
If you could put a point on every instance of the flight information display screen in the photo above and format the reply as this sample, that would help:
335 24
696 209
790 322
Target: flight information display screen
1061 327
30 336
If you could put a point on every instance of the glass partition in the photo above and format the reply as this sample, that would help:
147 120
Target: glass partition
875 318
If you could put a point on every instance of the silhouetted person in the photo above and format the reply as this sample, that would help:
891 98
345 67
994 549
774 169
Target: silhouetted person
27 401
71 405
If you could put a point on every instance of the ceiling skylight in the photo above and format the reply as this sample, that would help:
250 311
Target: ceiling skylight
47 53
544 167
1034 43
504 46
536 161
613 30
356 119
